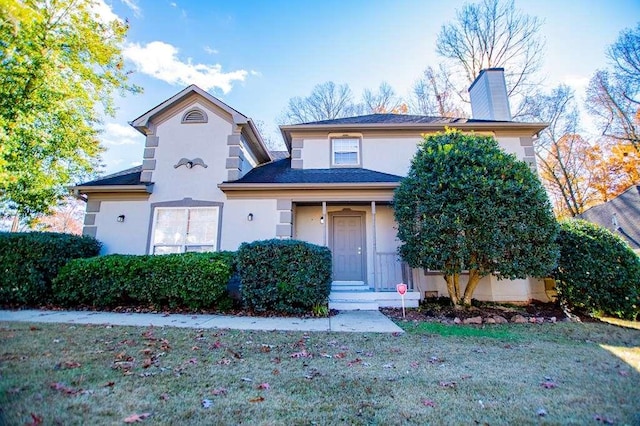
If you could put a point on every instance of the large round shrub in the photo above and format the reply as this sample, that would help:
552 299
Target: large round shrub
597 272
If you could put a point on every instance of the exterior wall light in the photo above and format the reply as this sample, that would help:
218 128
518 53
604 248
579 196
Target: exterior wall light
189 164
120 218
250 217
322 220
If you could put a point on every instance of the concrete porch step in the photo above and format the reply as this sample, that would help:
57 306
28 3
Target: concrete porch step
349 286
353 305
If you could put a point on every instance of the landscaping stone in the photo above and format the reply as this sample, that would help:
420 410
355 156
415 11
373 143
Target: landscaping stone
553 319
539 320
500 319
473 320
457 320
518 319
532 320
490 321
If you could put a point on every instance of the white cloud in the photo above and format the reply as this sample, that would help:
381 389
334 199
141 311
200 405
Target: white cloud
256 73
104 11
173 4
160 60
132 4
211 51
116 134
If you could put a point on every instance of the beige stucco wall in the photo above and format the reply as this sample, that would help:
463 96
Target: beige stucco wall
204 140
391 154
236 229
128 237
489 288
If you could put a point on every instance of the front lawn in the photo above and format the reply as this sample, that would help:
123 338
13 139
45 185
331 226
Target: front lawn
510 374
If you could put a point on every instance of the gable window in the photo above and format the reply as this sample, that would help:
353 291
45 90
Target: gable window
195 115
184 229
345 152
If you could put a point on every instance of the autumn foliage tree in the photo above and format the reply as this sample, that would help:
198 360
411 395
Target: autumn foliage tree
466 205
60 64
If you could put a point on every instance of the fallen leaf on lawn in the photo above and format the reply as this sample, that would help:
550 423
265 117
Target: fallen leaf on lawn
340 355
147 363
264 386
207 403
541 412
216 345
224 361
110 384
134 418
623 373
195 348
275 371
354 362
246 379
276 360
549 384
434 359
219 391
603 419
193 361
428 403
63 388
35 420
265 348
448 384
414 364
235 354
164 397
34 328
258 399
465 376
301 354
390 365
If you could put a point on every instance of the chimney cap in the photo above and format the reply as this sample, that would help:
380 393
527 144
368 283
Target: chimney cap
482 71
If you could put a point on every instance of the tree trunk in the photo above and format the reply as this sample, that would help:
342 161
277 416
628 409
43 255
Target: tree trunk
474 279
16 223
454 292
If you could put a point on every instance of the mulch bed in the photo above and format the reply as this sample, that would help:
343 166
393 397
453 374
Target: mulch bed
440 310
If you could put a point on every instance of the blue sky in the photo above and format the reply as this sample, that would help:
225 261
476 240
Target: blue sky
256 55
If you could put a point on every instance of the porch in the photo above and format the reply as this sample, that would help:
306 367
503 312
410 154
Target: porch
362 239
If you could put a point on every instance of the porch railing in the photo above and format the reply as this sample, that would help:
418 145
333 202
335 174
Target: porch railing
391 270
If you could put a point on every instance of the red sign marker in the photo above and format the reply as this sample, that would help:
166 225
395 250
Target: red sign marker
401 288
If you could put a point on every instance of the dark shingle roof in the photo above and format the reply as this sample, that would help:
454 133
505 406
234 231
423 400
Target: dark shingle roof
125 177
281 172
626 208
395 119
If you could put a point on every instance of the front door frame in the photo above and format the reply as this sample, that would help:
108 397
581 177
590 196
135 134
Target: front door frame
363 231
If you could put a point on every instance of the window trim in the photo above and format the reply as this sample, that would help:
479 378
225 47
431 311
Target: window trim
332 152
184 203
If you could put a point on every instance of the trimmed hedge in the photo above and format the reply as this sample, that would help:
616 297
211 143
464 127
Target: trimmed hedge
190 280
597 271
29 261
286 276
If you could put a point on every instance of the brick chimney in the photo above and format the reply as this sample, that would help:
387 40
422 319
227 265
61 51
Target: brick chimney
488 94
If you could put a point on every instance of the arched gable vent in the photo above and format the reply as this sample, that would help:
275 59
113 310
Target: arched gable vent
195 115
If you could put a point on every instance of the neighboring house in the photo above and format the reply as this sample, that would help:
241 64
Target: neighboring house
620 215
208 182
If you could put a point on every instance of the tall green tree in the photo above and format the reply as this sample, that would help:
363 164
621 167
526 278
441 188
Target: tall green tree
60 63
466 205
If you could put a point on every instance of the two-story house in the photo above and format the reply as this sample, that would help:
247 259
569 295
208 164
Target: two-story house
208 182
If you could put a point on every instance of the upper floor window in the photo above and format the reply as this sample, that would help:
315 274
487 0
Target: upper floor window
195 115
345 152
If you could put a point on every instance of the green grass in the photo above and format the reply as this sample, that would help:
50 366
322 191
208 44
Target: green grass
430 375
436 328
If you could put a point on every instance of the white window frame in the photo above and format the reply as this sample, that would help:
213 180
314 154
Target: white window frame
358 151
185 247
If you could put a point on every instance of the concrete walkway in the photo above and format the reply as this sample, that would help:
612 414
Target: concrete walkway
345 321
